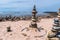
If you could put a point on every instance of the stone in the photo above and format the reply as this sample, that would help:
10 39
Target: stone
34 19
55 32
24 34
9 29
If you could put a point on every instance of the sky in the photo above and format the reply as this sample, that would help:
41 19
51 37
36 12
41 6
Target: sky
27 5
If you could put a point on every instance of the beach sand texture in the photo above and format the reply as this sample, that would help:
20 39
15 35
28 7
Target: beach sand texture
17 34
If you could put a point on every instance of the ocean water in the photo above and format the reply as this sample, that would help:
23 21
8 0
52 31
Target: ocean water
19 13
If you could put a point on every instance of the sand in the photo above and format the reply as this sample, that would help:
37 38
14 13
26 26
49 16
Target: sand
17 26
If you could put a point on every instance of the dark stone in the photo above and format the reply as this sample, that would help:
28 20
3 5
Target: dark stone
33 25
9 29
58 35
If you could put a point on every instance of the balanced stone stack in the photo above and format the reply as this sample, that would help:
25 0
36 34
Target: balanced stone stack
33 23
55 32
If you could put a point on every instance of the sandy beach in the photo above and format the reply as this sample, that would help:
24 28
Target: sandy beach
17 26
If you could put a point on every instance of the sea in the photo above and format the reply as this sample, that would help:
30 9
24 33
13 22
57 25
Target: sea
20 13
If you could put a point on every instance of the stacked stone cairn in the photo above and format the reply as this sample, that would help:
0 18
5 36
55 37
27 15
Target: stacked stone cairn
55 32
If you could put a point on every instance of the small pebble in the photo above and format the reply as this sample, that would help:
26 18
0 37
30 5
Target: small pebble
24 34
